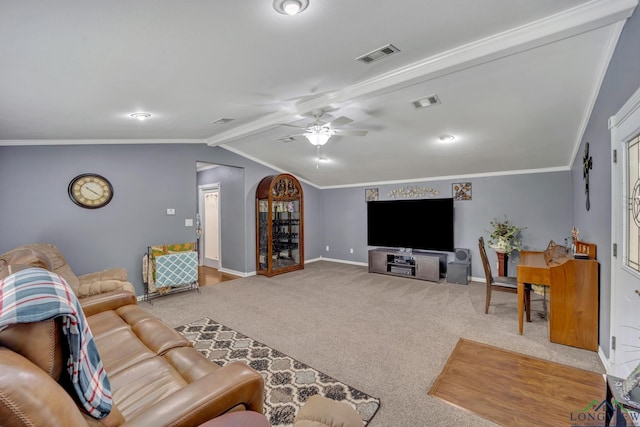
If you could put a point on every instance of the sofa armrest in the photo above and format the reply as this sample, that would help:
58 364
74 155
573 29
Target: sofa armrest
96 288
99 276
107 301
206 398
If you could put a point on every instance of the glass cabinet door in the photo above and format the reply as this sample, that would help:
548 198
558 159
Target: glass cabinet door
263 234
286 233
279 225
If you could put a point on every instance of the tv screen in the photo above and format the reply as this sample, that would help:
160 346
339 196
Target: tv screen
417 224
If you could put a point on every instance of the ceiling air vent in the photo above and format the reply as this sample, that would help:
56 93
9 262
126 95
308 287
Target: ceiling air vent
223 121
426 102
380 53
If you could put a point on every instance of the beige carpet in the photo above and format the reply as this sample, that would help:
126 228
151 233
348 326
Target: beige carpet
510 388
388 336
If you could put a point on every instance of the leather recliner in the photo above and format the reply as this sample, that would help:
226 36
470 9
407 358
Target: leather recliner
84 285
157 377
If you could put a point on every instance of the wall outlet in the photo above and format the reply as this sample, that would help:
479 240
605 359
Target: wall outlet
171 211
188 222
326 248
351 250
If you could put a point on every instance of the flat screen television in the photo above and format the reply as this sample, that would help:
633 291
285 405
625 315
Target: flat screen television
425 224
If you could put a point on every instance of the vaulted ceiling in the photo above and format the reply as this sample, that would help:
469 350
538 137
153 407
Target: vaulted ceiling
516 80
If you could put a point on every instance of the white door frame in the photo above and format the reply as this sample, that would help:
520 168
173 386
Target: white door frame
202 189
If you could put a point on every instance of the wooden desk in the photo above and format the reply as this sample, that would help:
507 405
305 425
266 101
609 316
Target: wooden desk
573 296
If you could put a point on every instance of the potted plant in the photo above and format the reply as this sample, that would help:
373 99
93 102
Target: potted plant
504 236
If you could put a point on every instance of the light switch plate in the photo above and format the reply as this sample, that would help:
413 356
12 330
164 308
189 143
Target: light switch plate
188 222
171 211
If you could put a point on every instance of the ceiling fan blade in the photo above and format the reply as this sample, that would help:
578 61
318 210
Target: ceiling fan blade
350 132
340 121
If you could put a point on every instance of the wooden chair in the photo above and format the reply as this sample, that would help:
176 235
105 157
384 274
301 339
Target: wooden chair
501 283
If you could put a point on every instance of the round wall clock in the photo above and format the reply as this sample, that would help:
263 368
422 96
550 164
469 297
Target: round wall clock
90 191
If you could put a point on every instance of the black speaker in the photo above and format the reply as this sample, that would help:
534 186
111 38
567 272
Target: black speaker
462 255
459 272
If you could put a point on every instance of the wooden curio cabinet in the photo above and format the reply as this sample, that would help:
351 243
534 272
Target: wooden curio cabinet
279 225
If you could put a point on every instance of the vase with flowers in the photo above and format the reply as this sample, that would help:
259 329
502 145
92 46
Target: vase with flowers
504 237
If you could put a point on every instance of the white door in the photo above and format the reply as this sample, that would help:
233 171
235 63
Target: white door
625 233
210 216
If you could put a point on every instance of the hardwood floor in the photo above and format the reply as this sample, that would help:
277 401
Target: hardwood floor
513 389
211 276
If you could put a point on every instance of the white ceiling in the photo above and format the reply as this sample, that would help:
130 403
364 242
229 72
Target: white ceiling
517 79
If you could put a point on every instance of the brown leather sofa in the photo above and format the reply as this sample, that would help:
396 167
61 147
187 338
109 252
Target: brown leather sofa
157 378
83 286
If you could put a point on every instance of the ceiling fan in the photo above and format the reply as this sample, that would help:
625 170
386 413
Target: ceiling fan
318 132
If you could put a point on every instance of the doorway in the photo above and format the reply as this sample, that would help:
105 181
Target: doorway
209 208
625 233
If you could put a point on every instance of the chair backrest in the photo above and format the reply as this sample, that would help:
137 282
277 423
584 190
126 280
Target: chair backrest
485 261
585 248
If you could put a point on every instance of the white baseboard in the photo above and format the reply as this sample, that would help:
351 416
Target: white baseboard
237 273
605 362
341 261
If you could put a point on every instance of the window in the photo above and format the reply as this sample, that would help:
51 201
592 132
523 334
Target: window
633 210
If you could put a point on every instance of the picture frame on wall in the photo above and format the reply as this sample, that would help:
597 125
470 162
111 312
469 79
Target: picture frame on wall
461 191
371 194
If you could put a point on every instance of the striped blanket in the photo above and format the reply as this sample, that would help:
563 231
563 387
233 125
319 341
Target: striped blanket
36 294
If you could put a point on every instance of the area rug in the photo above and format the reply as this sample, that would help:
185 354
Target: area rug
288 382
511 389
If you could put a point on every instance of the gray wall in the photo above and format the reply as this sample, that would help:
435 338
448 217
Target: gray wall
621 81
541 202
232 201
147 180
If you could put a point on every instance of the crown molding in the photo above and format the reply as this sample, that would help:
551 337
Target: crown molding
451 177
614 36
629 107
400 181
568 23
25 142
263 163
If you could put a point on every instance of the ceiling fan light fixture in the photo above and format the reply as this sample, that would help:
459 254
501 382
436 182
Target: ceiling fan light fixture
317 138
290 7
323 159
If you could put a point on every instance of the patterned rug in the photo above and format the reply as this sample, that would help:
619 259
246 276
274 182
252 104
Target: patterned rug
288 382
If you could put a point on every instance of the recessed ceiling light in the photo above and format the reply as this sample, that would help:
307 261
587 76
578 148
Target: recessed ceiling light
290 7
140 116
426 102
447 138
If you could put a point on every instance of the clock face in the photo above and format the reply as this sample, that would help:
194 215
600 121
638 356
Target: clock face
90 191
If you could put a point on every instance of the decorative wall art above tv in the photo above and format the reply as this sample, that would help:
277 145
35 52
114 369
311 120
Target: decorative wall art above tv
371 194
410 192
461 191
